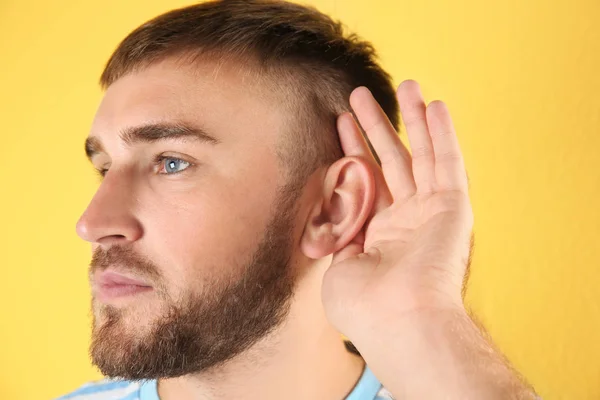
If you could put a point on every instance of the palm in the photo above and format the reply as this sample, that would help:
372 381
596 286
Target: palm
416 228
413 251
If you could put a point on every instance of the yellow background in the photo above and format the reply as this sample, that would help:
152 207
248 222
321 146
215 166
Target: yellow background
522 79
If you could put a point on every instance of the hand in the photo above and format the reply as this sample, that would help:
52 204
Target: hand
412 254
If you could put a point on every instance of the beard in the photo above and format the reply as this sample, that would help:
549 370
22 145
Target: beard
200 331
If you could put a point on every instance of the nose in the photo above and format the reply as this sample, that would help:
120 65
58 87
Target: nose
109 219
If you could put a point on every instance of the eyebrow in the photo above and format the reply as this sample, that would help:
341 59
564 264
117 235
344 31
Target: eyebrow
149 133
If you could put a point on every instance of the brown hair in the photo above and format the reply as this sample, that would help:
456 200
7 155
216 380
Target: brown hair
295 47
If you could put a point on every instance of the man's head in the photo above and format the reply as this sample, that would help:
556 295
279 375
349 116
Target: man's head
223 179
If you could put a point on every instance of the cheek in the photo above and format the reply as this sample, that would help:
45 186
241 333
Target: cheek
197 237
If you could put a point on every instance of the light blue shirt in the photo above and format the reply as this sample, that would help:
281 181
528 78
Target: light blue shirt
367 388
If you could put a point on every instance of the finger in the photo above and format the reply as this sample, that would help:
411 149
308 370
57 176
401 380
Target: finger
352 249
352 140
449 163
394 157
354 144
412 108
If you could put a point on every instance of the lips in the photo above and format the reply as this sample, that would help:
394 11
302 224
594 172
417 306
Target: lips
109 285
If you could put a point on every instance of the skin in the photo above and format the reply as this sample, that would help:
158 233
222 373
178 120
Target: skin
396 289
380 252
201 225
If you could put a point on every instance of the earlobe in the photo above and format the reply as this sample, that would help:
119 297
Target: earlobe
344 204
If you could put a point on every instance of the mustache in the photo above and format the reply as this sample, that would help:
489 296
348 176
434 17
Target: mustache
123 259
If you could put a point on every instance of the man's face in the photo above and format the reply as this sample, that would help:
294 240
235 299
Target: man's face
191 209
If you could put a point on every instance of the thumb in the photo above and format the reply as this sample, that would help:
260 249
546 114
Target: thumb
352 249
343 285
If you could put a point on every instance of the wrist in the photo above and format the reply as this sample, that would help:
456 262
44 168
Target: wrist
397 324
438 353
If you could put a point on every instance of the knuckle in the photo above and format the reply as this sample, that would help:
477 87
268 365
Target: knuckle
448 157
416 120
422 152
442 133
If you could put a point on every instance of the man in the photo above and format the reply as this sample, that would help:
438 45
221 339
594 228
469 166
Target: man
243 222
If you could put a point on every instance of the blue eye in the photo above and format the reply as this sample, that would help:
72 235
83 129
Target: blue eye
172 165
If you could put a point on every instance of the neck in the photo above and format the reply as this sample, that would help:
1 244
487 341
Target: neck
305 358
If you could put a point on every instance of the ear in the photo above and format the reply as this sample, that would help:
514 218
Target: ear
342 209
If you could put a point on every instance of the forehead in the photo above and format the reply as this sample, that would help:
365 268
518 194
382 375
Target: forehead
223 98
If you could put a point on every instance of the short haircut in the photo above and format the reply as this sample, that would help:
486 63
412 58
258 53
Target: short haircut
302 54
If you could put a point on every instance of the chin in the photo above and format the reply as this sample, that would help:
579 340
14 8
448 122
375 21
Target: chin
134 320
